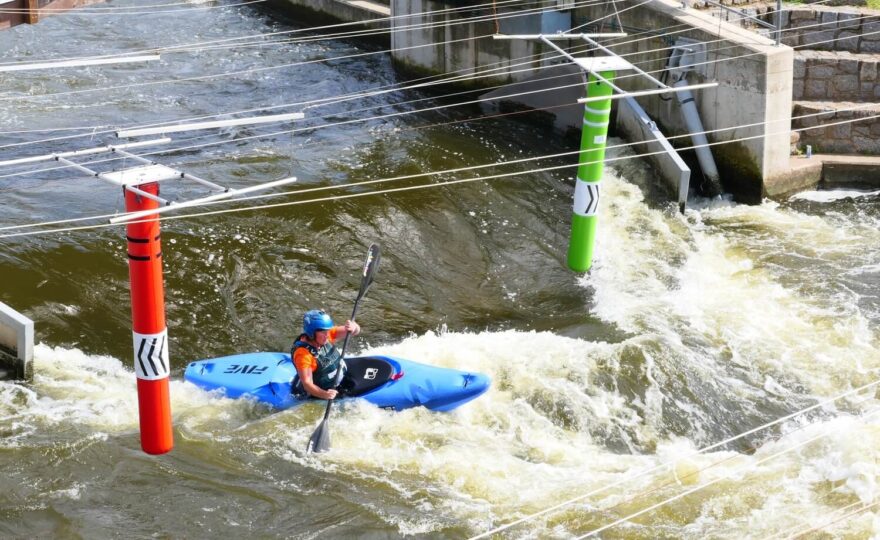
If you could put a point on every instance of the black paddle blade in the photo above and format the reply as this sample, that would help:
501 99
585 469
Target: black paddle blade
320 440
370 268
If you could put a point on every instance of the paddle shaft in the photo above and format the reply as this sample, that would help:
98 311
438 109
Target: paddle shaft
338 378
320 439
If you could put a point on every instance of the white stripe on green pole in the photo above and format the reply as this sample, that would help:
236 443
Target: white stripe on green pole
589 173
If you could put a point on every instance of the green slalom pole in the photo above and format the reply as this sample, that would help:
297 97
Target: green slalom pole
590 166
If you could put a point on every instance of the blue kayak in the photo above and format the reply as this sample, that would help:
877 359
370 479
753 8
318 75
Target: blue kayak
385 381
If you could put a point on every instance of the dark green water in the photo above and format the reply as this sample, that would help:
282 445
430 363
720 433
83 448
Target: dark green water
690 329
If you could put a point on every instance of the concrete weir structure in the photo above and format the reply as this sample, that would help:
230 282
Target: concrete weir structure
747 117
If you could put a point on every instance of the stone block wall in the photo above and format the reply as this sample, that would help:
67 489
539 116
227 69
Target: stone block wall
831 29
860 134
823 76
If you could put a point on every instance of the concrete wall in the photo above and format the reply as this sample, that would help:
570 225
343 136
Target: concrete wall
460 41
755 84
559 106
16 344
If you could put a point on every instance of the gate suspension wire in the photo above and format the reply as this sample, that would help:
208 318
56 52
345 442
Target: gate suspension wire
397 114
182 11
357 95
339 123
393 190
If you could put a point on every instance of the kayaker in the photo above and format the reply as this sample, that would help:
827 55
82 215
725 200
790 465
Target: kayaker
314 356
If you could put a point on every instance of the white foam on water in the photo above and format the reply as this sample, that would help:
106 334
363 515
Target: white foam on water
697 278
831 195
698 298
97 395
520 447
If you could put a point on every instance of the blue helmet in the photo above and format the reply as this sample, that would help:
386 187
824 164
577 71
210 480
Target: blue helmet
314 320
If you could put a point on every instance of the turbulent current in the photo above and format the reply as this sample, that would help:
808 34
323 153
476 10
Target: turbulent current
690 330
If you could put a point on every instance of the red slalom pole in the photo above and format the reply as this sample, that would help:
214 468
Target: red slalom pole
150 334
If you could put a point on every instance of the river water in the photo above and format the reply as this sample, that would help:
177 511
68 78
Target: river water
689 330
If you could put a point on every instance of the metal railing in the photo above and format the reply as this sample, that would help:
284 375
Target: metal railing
776 28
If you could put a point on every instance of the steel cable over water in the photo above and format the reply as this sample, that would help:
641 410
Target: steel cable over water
396 190
76 12
499 509
443 24
432 173
89 8
334 100
196 46
479 18
380 117
254 70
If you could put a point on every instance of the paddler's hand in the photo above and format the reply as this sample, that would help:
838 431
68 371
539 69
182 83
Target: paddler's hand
330 394
352 328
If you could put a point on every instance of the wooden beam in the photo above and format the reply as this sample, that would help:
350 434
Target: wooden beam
33 15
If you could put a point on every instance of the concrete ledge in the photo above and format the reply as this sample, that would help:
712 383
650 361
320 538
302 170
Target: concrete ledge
373 15
858 172
827 171
16 345
804 174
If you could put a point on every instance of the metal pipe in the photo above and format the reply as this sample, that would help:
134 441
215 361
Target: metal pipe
201 201
174 128
212 185
612 53
557 36
143 193
652 92
77 166
698 136
90 172
84 152
79 63
135 157
778 20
